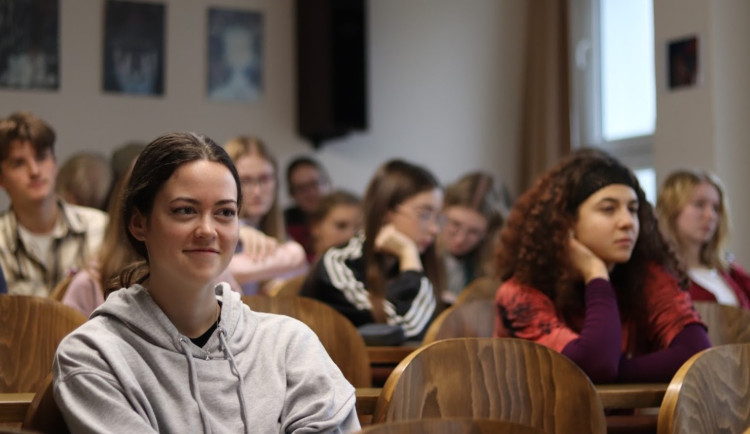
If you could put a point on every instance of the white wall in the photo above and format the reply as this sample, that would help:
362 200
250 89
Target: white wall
707 126
444 81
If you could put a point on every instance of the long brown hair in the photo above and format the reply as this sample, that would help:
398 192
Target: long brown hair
477 191
393 183
272 223
116 252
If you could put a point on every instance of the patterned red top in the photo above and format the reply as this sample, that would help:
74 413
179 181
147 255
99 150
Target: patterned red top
525 312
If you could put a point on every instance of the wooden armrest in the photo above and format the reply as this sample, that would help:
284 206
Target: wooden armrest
13 406
636 395
367 397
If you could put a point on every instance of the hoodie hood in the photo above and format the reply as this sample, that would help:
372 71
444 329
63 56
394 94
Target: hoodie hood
135 308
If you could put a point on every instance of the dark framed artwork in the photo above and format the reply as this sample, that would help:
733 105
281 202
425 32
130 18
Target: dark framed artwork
235 55
30 44
134 50
682 62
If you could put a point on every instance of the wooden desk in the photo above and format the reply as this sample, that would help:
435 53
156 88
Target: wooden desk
13 406
612 395
637 395
389 355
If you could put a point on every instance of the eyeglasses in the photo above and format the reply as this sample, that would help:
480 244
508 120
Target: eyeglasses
261 181
425 217
307 186
455 227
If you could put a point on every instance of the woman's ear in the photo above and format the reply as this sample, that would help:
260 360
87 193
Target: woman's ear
137 225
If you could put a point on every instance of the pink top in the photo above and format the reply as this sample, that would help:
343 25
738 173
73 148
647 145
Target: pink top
288 260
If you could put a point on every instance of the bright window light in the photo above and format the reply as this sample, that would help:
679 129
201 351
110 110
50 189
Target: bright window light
627 68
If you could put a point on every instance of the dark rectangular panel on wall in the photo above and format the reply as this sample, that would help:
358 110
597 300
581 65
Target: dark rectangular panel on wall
331 68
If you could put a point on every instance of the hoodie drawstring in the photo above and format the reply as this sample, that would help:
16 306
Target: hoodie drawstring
236 372
194 388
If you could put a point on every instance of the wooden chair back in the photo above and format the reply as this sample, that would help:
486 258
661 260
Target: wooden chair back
287 287
43 415
726 324
507 379
471 319
479 288
31 328
709 393
451 426
337 334
59 291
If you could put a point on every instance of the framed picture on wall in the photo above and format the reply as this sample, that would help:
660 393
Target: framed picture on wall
235 55
29 44
134 48
682 62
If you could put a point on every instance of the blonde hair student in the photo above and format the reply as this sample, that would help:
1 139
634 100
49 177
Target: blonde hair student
692 208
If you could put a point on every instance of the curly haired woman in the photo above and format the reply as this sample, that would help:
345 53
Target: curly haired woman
588 274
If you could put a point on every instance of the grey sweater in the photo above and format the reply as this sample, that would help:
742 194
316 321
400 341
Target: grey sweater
129 370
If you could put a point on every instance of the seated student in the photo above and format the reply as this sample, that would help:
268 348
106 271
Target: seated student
693 215
335 221
84 180
307 181
389 273
42 238
85 291
171 351
121 162
590 275
264 253
474 211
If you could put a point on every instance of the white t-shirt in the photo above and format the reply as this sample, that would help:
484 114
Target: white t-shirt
38 245
711 281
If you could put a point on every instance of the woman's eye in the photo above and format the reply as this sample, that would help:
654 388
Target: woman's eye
183 210
227 212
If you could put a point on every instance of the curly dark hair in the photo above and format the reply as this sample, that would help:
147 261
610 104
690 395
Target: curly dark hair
534 247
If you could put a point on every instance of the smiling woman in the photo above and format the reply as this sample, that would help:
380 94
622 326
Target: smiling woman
171 343
588 274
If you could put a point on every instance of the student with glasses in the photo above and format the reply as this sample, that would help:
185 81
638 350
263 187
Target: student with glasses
473 214
264 253
389 273
307 182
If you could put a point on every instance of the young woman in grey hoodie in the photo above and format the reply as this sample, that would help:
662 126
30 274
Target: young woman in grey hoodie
171 352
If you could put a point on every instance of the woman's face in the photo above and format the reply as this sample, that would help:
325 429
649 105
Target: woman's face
698 220
192 231
464 229
258 186
337 227
608 223
418 217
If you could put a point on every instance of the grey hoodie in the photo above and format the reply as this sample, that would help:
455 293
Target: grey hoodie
129 370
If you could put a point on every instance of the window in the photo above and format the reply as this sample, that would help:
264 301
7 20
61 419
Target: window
613 81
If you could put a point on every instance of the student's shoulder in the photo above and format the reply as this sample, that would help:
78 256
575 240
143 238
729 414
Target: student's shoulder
86 214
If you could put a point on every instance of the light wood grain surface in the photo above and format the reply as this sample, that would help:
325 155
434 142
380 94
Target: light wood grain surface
709 393
508 379
31 328
451 426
